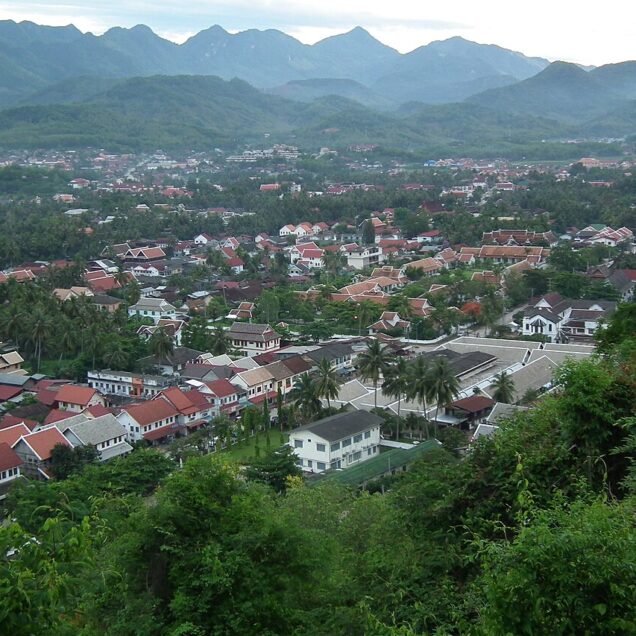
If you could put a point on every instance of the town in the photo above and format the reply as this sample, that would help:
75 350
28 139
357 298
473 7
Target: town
163 321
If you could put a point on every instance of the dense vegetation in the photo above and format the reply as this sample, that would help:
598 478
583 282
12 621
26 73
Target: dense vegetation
532 532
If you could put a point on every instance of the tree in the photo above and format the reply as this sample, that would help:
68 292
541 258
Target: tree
333 261
66 460
368 233
304 396
269 306
444 385
396 384
504 388
275 468
372 363
328 382
39 329
420 382
161 344
115 355
219 341
570 571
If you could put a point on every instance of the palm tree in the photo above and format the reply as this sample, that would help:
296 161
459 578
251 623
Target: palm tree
504 387
396 384
304 396
12 323
67 338
420 384
372 364
115 356
444 384
333 261
219 341
161 343
328 382
40 329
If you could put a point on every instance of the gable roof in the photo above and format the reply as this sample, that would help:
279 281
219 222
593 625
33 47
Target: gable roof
336 427
43 441
73 394
150 412
8 457
97 430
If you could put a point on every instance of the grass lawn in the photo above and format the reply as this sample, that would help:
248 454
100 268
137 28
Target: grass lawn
245 451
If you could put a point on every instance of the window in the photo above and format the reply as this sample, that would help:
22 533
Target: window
334 447
321 465
357 438
367 434
309 463
321 448
356 456
298 443
346 442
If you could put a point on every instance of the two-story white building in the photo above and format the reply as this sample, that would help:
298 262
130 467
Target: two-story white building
152 421
153 308
253 339
337 442
105 433
365 257
136 385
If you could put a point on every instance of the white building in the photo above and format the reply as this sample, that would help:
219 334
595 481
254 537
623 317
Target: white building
365 257
153 308
128 384
105 433
286 230
336 442
253 339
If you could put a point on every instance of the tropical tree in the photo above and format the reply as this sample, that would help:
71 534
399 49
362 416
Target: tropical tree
305 397
420 383
333 261
39 329
396 384
327 382
115 355
12 323
219 342
504 388
372 364
161 343
444 384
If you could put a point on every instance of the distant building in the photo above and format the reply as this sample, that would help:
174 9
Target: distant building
253 339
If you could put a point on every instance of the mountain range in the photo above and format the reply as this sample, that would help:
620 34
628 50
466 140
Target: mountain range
129 88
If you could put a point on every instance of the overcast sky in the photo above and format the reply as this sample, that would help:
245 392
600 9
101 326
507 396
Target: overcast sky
585 32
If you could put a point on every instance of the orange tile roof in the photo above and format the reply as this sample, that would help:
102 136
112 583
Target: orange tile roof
150 412
43 441
72 394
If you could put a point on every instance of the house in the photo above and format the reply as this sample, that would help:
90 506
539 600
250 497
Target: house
507 254
365 257
258 384
143 255
153 308
173 328
563 319
519 237
35 450
426 266
337 442
171 364
287 230
10 464
203 239
106 303
225 398
105 434
253 339
73 292
245 311
153 421
10 360
389 320
195 409
469 410
75 398
127 384
623 280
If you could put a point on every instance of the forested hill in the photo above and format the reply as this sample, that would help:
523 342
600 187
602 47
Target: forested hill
531 533
194 112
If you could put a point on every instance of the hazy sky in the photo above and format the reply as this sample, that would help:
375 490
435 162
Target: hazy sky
585 32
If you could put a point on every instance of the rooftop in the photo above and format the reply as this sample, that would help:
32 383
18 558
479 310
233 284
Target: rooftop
342 425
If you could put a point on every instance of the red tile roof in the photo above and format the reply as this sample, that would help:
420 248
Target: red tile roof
12 434
8 392
97 410
150 412
8 457
12 420
222 388
57 415
473 404
162 431
43 441
72 394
